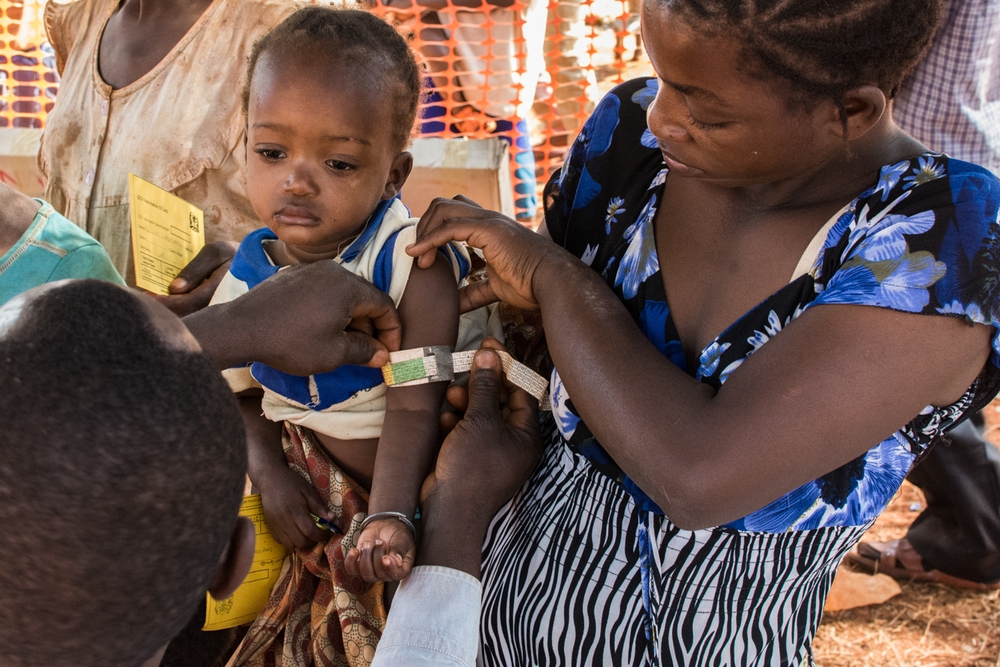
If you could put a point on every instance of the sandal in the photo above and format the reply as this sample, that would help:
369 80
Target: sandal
899 560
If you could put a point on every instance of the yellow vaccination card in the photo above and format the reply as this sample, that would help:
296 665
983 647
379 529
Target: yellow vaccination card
167 232
249 599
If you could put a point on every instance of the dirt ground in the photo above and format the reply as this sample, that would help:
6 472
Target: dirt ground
927 625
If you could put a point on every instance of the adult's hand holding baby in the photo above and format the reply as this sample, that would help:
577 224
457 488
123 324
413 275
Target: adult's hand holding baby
513 253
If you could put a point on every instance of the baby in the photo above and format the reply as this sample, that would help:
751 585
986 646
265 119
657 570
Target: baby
331 100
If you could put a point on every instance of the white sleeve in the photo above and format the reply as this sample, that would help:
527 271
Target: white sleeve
434 620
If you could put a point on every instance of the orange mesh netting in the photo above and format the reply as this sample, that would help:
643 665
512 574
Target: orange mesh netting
28 79
524 70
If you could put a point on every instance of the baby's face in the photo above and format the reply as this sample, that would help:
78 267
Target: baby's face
320 156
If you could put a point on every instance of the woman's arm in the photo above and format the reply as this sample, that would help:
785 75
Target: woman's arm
835 383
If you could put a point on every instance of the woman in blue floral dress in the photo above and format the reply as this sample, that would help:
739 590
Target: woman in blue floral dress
768 302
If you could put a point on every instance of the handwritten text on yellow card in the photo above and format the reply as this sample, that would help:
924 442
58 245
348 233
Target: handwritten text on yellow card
249 599
167 232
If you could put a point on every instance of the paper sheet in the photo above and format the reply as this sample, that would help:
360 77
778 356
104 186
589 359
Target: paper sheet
249 599
167 232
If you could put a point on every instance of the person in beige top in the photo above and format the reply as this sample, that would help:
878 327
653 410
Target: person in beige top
152 87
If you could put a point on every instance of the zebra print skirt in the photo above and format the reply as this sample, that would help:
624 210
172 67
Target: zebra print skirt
562 583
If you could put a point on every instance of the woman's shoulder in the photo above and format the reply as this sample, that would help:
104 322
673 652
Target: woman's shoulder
67 23
76 15
639 91
236 25
613 158
962 192
921 203
924 239
619 120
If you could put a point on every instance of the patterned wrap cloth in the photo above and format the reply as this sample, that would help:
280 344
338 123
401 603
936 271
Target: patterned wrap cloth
318 615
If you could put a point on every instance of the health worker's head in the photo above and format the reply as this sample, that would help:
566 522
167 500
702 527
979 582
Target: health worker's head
122 465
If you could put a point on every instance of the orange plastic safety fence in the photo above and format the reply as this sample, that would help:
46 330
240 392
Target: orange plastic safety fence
588 44
28 79
524 70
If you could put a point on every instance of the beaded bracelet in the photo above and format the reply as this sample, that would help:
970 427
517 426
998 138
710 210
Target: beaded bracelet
399 516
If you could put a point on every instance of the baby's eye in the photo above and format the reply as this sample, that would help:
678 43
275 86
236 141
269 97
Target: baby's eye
338 165
269 153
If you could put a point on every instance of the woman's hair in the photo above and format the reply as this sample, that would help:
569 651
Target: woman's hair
823 47
358 44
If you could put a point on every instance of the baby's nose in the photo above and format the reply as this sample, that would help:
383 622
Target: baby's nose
300 181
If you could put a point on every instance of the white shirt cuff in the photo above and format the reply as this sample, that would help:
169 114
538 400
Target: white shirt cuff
434 620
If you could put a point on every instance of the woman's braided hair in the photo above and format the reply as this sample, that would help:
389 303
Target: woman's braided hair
359 44
823 47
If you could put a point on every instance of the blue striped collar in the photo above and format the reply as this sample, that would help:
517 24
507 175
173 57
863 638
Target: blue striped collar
252 264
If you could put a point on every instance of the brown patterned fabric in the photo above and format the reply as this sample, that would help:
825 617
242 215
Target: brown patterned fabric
318 615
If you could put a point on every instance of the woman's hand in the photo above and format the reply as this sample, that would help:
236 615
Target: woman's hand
195 285
513 252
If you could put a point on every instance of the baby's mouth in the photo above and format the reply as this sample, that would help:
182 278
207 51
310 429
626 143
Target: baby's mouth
296 215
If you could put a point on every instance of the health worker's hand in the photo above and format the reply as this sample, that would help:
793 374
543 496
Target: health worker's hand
306 319
512 251
483 461
195 285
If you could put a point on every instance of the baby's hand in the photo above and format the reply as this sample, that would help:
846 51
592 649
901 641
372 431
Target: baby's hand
385 551
289 501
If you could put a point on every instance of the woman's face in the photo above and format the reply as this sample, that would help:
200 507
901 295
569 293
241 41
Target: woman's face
713 121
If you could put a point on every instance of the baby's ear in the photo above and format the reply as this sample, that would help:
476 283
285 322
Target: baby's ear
398 172
236 560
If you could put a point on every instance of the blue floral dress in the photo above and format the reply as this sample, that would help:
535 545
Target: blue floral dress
922 240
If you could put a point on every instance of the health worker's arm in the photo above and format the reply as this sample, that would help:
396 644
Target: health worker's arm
304 320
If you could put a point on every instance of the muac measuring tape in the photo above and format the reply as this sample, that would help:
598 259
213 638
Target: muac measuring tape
438 363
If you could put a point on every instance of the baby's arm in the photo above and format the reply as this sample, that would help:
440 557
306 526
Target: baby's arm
288 498
408 446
